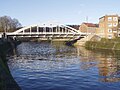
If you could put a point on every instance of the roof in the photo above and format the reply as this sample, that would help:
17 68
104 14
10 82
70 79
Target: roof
91 25
109 16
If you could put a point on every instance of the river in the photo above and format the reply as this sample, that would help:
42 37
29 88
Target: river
55 66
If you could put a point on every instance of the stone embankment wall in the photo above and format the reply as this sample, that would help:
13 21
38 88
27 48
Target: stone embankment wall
90 37
106 44
95 42
6 80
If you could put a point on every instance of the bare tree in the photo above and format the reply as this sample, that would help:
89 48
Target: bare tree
7 24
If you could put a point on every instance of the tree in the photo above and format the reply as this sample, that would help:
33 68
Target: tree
7 24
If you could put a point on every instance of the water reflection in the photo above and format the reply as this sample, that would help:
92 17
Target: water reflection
56 56
43 56
46 65
107 62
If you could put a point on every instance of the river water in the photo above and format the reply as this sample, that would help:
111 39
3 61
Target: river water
55 66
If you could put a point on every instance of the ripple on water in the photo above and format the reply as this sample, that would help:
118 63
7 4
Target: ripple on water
46 66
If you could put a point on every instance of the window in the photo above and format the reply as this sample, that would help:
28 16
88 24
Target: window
109 36
110 30
114 24
115 18
109 18
109 24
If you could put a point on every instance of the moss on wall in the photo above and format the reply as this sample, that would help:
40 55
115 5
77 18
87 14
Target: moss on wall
112 44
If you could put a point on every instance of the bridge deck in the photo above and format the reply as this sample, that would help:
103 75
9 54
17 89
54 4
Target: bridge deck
47 30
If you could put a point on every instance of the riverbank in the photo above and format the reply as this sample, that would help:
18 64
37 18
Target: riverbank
6 80
104 44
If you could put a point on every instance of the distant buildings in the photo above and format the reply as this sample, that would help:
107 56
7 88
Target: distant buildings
88 28
108 26
75 26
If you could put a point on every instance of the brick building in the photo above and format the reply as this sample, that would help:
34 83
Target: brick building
108 26
88 28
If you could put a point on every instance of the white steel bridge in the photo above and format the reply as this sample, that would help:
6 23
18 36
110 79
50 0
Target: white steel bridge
49 31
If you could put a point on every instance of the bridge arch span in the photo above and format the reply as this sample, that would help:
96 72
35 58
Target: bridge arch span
61 26
51 30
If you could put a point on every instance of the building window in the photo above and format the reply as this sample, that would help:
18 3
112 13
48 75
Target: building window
109 18
114 24
109 24
109 36
110 30
115 18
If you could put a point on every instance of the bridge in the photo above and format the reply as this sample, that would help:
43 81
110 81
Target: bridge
48 31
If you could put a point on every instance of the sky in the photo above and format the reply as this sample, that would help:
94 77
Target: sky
63 11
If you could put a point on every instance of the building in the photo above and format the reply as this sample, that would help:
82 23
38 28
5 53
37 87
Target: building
108 26
118 26
88 28
75 26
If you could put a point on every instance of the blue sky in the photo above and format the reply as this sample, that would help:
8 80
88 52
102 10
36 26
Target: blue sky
64 11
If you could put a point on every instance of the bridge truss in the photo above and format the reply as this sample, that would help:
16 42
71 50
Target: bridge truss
49 31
